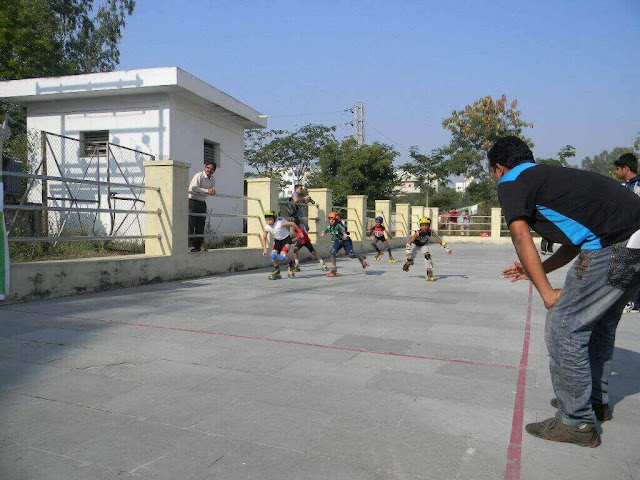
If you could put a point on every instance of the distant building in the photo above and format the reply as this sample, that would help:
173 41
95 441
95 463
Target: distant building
464 184
289 178
410 183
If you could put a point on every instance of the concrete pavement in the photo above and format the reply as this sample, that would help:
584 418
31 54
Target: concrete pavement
374 375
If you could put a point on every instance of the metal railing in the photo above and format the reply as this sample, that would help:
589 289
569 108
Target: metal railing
72 209
476 226
72 190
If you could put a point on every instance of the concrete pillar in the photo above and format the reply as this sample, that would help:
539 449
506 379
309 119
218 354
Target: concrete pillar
417 212
403 219
496 222
435 213
357 217
173 202
383 209
318 212
263 195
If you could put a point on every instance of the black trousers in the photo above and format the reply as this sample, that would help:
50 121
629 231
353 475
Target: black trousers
196 224
547 245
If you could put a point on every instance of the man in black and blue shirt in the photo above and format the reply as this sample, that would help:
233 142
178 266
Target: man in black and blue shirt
597 220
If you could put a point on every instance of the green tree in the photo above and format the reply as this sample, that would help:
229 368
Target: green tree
446 198
349 169
473 130
426 168
602 163
484 191
41 38
560 160
261 152
272 152
301 149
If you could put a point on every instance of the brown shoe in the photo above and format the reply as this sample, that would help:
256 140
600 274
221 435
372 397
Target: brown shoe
602 410
585 435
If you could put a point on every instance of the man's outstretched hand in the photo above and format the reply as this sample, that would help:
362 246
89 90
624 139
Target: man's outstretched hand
515 273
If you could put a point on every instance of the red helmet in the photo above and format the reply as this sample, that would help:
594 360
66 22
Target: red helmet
333 215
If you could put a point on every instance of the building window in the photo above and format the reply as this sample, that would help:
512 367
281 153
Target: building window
211 152
94 142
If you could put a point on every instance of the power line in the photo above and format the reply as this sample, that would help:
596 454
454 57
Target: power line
388 138
308 114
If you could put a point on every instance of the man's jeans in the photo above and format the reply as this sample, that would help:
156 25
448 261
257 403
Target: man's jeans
580 330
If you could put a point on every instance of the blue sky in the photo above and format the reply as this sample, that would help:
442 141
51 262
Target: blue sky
574 66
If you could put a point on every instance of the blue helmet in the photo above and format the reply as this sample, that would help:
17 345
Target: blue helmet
378 219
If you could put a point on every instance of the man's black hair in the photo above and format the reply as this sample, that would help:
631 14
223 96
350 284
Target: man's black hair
215 167
509 152
627 160
295 187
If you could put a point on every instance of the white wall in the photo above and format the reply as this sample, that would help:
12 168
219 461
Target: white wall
192 123
140 122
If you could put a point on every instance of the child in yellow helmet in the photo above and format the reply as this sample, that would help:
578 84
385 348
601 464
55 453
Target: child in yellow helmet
418 241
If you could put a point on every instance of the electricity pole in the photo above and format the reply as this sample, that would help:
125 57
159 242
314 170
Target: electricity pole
358 122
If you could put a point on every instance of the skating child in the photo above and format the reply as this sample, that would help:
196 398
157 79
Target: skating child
279 228
378 230
303 240
418 241
341 240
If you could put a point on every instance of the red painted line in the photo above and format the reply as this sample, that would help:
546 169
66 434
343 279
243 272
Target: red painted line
315 345
514 452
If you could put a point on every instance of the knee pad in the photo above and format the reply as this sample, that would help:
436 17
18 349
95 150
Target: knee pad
332 254
273 256
427 255
282 257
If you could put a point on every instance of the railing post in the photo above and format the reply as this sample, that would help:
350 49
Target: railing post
403 219
357 216
496 222
172 200
383 209
435 214
318 212
266 190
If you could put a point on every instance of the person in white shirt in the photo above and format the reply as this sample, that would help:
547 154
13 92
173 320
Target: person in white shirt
202 185
280 229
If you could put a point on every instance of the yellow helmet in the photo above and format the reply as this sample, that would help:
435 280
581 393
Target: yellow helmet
425 220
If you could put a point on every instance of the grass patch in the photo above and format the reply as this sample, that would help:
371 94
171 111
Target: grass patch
226 242
38 251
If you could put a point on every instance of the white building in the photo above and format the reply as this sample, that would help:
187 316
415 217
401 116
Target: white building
165 112
409 183
290 179
464 184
